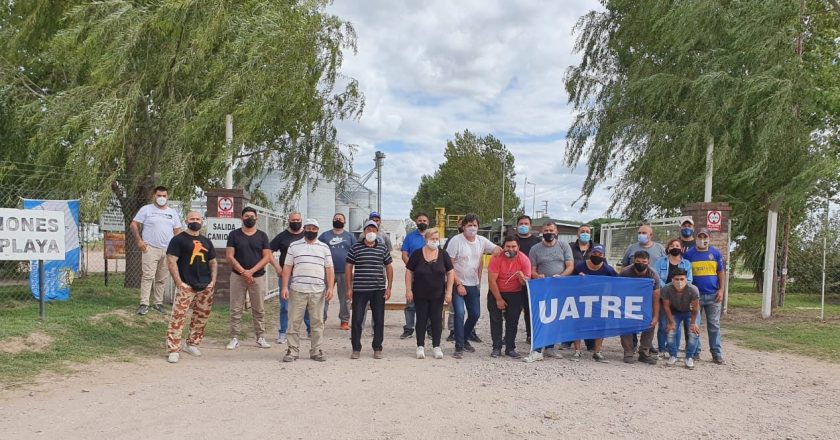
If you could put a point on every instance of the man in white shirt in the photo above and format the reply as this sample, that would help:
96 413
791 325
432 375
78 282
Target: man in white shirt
466 250
159 223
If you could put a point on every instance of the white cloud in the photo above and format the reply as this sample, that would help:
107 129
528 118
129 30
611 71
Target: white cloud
430 69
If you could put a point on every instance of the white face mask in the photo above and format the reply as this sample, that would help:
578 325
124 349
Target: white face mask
470 231
370 236
702 243
433 244
161 201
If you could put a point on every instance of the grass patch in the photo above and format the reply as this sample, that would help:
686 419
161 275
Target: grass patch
794 328
98 322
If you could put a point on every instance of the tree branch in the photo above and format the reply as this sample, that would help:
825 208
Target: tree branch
836 5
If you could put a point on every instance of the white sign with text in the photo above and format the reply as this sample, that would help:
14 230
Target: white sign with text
31 234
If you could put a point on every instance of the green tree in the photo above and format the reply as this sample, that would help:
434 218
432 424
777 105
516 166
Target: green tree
136 92
470 180
658 80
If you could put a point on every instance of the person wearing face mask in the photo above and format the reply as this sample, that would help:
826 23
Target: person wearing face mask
381 235
581 250
309 266
340 242
595 265
526 241
412 243
550 258
645 243
428 283
281 243
369 277
709 278
248 253
508 274
687 234
681 305
192 263
159 224
641 269
467 250
666 267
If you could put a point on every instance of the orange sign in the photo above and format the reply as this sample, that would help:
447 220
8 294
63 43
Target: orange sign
114 245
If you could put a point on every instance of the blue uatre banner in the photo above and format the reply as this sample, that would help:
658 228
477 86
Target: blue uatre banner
588 307
59 274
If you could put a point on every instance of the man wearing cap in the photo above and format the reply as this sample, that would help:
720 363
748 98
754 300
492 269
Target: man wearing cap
687 234
369 278
709 277
641 269
309 266
595 265
281 243
412 242
380 234
655 250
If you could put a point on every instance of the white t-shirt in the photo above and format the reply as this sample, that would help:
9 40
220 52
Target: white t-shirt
467 257
308 261
158 224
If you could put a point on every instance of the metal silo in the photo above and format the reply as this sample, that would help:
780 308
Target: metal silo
320 201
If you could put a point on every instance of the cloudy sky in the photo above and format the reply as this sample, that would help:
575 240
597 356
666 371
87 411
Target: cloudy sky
433 68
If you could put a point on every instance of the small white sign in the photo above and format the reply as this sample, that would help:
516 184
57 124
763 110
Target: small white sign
112 219
31 234
219 228
713 221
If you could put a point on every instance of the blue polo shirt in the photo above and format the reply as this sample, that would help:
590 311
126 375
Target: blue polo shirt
412 242
705 266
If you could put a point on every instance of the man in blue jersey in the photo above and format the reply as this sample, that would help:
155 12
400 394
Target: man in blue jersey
709 277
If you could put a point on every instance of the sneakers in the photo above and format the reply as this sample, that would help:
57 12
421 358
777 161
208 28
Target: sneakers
421 353
281 339
458 354
672 360
689 363
469 348
438 353
551 352
233 344
599 357
473 337
355 355
143 309
261 343
378 354
159 308
513 354
451 337
718 360
407 333
495 353
192 349
289 357
575 357
534 356
345 326
173 357
318 356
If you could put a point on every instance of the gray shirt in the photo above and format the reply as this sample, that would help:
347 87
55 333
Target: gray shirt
550 260
680 302
656 252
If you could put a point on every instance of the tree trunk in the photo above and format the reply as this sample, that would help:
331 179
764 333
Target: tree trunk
131 200
780 300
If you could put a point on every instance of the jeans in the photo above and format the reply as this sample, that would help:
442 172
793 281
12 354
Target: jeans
712 310
471 304
409 311
341 294
692 340
284 312
429 310
377 309
510 316
662 336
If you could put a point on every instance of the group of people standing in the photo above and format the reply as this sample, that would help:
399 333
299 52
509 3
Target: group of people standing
313 266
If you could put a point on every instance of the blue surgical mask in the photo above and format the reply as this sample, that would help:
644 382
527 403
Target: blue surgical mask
643 238
585 237
523 229
686 232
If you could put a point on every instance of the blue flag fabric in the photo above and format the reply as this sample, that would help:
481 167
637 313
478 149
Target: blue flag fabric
588 307
59 274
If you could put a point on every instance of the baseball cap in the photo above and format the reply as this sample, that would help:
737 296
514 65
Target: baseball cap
311 222
598 248
371 223
374 215
702 231
686 219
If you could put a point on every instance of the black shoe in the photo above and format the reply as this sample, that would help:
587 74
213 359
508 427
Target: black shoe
495 353
143 309
513 354
648 359
468 347
718 360
474 338
159 308
458 354
451 337
407 333
654 351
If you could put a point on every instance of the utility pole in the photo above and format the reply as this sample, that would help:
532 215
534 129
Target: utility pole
545 208
502 225
710 169
378 158
228 143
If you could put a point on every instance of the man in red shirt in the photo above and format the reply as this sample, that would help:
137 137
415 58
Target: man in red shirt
507 273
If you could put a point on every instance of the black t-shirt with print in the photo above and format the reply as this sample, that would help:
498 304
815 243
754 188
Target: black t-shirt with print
194 254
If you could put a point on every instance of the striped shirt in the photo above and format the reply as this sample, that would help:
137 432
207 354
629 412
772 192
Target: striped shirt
308 262
368 262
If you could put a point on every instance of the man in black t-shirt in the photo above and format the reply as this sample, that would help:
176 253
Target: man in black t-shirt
192 263
248 253
641 269
526 240
281 243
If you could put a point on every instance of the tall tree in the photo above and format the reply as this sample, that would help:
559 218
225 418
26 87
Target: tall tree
659 80
135 92
475 172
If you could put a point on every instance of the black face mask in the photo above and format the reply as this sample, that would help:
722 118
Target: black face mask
422 227
510 254
549 237
295 226
249 222
338 224
640 267
596 259
675 251
194 226
310 235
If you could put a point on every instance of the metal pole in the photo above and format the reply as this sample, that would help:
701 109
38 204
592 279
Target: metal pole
710 167
229 142
825 248
524 194
769 264
41 295
728 266
534 202
378 157
502 225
